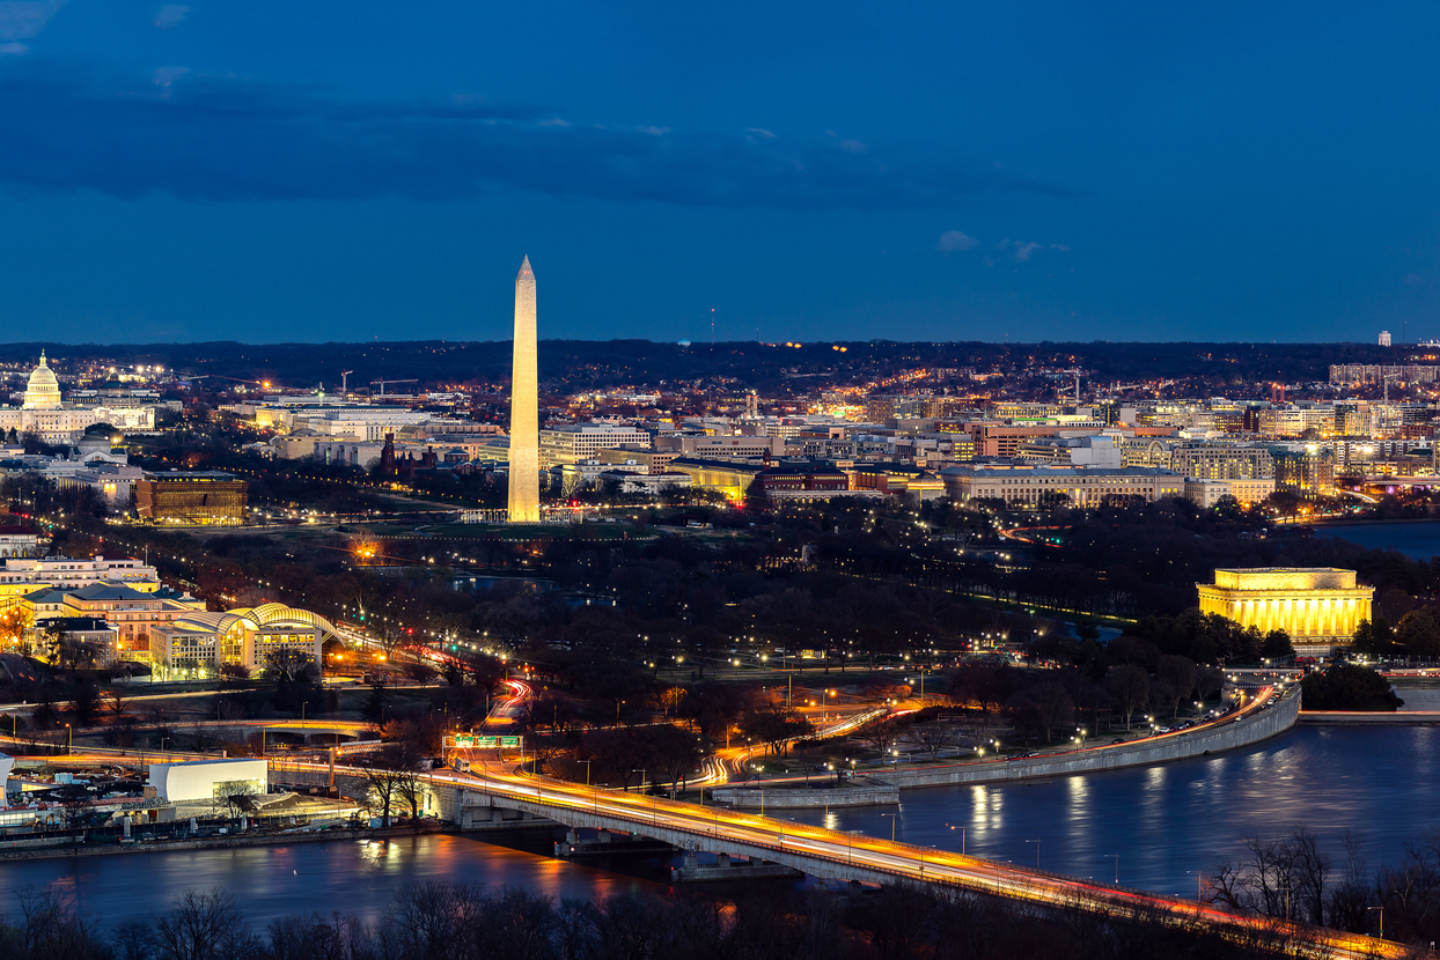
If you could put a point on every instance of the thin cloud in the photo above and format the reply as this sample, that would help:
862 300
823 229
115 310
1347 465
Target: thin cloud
1023 251
170 15
953 241
203 138
23 20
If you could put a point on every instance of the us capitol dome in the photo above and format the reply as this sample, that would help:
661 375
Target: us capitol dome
42 413
42 392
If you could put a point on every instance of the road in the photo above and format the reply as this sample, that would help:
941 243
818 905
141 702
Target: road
722 830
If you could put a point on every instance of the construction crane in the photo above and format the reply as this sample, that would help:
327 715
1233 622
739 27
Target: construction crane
345 382
383 382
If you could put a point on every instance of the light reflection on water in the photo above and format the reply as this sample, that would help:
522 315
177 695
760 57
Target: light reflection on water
347 876
1162 821
1165 820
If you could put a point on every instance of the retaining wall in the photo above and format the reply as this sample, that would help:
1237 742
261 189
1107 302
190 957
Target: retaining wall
749 798
1414 718
1182 745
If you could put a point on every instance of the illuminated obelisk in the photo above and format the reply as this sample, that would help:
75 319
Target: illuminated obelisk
524 407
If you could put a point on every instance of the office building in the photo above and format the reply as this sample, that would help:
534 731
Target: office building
572 443
1217 461
1307 470
1038 486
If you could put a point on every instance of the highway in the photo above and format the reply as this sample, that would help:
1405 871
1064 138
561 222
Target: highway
828 853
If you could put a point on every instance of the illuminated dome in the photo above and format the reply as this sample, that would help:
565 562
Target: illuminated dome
43 390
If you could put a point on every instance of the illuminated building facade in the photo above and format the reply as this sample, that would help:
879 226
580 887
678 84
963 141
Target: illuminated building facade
201 497
251 637
43 413
1308 471
1315 606
1039 485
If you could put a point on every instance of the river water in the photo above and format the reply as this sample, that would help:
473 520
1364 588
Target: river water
1164 821
1419 540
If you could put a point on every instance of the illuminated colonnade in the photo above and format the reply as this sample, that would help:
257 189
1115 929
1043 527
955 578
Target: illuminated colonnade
1313 605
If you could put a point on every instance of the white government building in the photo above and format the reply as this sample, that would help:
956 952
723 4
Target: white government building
46 415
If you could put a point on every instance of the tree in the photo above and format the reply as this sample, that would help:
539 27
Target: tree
85 705
1347 687
1419 632
1130 686
934 737
410 789
1374 638
1045 705
15 623
289 665
774 725
384 781
1277 645
1180 675
374 709
203 926
671 751
884 733
232 797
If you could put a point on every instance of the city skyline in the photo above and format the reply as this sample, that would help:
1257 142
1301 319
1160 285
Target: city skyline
1050 174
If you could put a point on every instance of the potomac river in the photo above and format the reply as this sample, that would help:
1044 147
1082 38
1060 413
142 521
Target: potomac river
1163 822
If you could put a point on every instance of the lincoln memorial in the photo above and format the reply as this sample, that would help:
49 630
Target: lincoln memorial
1315 606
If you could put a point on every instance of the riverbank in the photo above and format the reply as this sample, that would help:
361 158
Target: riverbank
1418 718
213 843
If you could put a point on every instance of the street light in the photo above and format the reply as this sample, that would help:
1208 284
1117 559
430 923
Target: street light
1037 852
1117 866
893 818
1382 919
850 836
1199 876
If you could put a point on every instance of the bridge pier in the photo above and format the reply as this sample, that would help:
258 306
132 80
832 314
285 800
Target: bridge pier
608 844
691 870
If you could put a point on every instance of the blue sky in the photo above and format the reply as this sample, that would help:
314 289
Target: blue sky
1131 171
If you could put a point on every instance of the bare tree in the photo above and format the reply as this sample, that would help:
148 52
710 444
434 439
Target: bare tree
232 797
1130 687
1311 870
934 737
1052 705
201 926
1179 675
884 733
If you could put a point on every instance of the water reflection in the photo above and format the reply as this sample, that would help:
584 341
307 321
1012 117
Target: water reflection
352 877
1165 821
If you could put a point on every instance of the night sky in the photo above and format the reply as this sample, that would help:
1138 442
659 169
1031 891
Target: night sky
270 171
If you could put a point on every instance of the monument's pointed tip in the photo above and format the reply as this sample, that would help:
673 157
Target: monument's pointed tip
525 267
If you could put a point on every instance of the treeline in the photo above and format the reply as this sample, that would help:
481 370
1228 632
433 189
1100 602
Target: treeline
606 362
1296 877
446 921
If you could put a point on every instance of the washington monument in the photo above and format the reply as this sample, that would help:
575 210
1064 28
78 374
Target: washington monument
524 407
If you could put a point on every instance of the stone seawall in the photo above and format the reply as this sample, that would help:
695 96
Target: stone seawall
778 797
54 852
1183 745
1414 718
